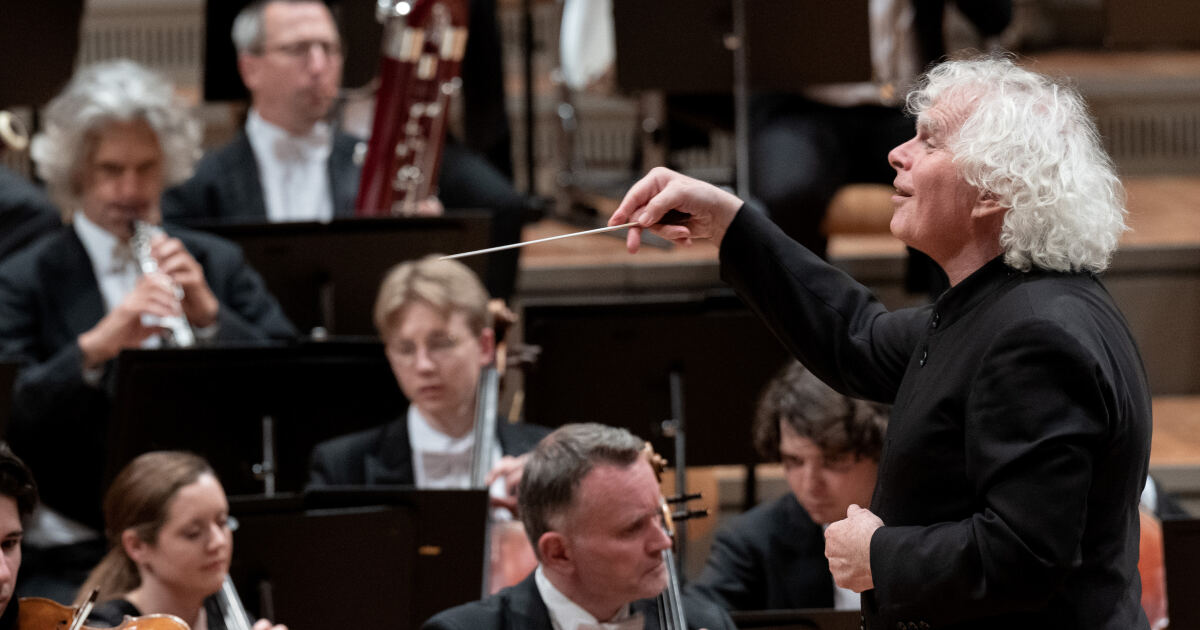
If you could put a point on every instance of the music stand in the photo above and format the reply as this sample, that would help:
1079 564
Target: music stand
38 43
213 401
799 619
358 557
326 275
1181 556
626 353
739 45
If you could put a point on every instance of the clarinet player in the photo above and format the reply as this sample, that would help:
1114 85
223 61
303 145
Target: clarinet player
70 302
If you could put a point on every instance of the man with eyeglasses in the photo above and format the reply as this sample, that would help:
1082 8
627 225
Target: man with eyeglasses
433 318
290 164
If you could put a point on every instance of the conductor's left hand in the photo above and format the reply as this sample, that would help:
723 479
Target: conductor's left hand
848 548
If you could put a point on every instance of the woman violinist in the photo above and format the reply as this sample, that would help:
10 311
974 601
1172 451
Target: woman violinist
170 543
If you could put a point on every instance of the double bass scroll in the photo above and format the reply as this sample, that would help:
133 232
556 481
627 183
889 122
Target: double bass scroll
423 46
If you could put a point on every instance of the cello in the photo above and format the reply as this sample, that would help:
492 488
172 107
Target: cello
671 615
508 554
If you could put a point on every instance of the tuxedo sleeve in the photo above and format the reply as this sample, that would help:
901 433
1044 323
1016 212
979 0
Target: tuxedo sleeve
830 322
248 310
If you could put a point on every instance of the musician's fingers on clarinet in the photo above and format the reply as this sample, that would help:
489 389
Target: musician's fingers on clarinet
154 296
174 259
263 624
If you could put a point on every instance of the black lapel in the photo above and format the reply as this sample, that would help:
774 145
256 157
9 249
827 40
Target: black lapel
526 610
344 174
245 183
392 462
72 284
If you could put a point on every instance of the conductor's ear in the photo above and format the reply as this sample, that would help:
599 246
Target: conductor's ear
987 205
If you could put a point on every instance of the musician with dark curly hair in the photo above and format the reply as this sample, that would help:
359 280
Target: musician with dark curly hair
773 556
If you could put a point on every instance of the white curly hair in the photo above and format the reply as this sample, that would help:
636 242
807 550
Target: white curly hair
101 94
1031 142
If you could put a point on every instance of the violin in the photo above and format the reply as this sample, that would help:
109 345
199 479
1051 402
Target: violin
39 613
671 615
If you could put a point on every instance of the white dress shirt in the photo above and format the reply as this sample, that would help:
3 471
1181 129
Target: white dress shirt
567 615
112 260
294 170
442 461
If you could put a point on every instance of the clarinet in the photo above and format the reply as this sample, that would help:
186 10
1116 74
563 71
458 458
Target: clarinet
423 45
178 331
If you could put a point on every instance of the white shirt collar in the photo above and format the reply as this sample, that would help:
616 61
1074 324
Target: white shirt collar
97 241
564 613
264 135
293 170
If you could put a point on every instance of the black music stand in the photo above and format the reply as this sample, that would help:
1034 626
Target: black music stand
1181 556
213 401
358 557
326 275
799 619
790 44
612 363
735 46
38 46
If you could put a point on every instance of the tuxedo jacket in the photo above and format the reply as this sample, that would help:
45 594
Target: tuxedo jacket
382 455
49 295
1018 442
227 186
25 213
521 607
770 558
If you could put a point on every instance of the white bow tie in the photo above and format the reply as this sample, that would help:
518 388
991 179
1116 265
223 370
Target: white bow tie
290 148
633 622
121 258
441 465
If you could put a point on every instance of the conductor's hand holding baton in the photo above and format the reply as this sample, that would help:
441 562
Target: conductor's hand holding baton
709 209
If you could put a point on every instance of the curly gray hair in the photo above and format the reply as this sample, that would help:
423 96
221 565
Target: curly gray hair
104 93
1031 142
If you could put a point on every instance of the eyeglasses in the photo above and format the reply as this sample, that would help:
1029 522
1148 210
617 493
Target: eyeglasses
301 49
437 348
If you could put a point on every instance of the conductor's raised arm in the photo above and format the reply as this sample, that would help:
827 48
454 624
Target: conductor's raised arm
661 190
